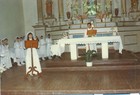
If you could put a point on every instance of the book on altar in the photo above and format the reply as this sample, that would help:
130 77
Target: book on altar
91 32
31 44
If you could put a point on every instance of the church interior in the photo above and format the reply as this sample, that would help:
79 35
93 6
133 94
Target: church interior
106 62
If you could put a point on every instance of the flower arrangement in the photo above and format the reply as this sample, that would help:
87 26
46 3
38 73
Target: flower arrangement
92 7
81 17
75 8
100 15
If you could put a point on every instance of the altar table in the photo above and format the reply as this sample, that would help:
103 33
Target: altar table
73 42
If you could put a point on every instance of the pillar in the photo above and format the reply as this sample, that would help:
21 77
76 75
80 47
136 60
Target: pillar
40 11
115 4
123 6
60 9
103 6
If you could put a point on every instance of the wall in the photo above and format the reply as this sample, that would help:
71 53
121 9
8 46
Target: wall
11 19
131 40
30 14
130 37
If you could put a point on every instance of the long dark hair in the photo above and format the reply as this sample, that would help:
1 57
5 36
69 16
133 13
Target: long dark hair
28 36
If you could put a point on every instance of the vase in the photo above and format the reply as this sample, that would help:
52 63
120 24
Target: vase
89 64
68 15
116 12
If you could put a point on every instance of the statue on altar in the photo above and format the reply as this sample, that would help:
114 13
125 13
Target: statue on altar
134 5
49 8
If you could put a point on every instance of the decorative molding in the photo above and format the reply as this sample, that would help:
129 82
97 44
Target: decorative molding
135 15
40 11
66 7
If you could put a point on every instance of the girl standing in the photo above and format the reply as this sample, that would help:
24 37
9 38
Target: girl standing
32 57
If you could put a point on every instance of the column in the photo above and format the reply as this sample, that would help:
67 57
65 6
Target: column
115 2
40 11
123 6
105 50
60 9
103 6
73 51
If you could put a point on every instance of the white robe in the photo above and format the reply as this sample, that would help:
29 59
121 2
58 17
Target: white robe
49 43
1 63
42 48
18 53
6 57
2 69
12 54
22 47
0 55
36 61
17 49
90 46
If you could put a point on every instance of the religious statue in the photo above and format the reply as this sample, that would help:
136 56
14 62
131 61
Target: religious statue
134 5
49 8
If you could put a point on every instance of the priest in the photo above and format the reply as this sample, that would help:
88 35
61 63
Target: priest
86 35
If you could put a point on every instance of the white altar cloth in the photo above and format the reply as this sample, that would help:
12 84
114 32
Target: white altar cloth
102 40
57 49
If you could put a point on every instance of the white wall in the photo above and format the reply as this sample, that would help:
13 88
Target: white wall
134 43
30 14
11 19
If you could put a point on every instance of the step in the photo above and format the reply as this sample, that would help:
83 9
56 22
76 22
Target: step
93 68
79 63
114 64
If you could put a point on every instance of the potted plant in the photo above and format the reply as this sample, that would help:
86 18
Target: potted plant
89 57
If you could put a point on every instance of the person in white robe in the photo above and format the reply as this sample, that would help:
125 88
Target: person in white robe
93 45
42 48
22 50
1 54
0 51
1 65
29 55
24 38
49 43
36 38
6 54
18 53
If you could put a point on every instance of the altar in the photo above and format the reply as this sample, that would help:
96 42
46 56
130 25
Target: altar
104 40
